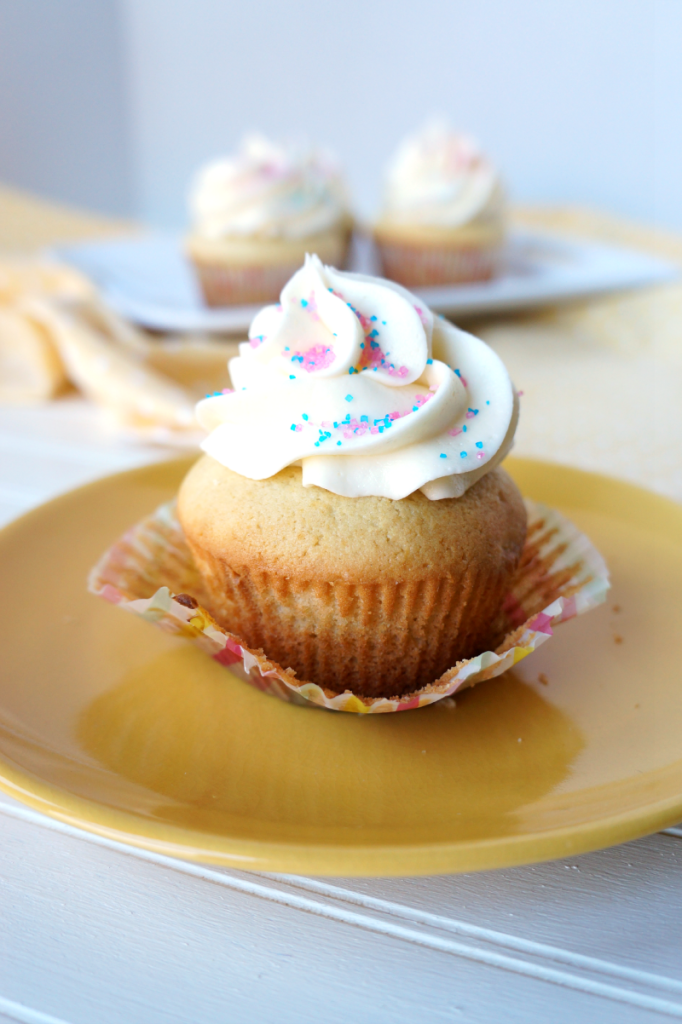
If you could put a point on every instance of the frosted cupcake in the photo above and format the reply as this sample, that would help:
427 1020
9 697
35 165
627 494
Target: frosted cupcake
256 214
350 516
443 214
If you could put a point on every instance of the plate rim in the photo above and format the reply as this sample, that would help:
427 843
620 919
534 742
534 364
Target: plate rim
333 859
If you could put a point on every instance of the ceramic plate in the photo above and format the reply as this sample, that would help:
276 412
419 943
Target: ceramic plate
148 279
108 724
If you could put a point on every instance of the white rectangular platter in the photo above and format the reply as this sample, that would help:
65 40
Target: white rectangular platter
148 279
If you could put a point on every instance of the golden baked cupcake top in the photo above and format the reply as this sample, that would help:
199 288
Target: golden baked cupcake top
354 379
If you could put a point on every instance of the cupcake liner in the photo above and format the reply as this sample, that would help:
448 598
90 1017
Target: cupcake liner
223 285
150 571
416 266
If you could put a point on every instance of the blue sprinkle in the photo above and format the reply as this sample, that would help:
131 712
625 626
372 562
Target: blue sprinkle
349 398
364 419
415 408
293 426
286 348
458 373
443 456
383 322
335 425
335 334
479 444
464 428
429 362
362 344
487 403
305 416
374 333
474 411
373 318
381 430
292 376
304 302
317 444
338 442
462 455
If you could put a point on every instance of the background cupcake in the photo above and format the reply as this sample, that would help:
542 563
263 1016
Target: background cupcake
350 516
443 214
256 214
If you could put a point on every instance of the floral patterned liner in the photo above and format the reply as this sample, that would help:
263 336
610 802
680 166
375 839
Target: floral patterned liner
150 571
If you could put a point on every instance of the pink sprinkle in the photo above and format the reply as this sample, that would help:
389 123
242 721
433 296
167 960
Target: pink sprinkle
348 433
519 393
227 391
455 432
374 430
481 455
470 415
319 357
299 428
464 381
326 425
394 415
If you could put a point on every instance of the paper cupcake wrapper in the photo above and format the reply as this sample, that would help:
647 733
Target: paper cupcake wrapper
241 286
150 572
425 266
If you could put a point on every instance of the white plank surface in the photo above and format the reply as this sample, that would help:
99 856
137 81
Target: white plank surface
95 931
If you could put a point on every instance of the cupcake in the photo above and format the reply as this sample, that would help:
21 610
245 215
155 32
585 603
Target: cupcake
350 516
442 219
255 215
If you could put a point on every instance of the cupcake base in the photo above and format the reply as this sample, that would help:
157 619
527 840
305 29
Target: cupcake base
422 266
367 594
223 285
150 572
247 271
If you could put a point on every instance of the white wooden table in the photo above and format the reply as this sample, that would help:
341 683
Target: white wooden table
93 931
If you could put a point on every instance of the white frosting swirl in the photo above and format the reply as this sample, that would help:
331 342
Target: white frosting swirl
440 178
267 190
356 380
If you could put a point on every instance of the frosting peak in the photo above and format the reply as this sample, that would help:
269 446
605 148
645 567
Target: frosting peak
355 379
268 190
442 178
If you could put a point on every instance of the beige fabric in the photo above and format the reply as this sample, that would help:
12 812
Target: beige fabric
55 332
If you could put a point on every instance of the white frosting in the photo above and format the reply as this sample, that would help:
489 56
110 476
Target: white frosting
353 378
267 190
440 178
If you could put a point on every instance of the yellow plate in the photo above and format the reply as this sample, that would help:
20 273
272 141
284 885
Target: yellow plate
108 724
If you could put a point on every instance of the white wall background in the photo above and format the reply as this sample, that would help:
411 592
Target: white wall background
579 100
64 111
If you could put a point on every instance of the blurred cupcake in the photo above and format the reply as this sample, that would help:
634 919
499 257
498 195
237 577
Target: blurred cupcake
255 215
443 214
350 516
